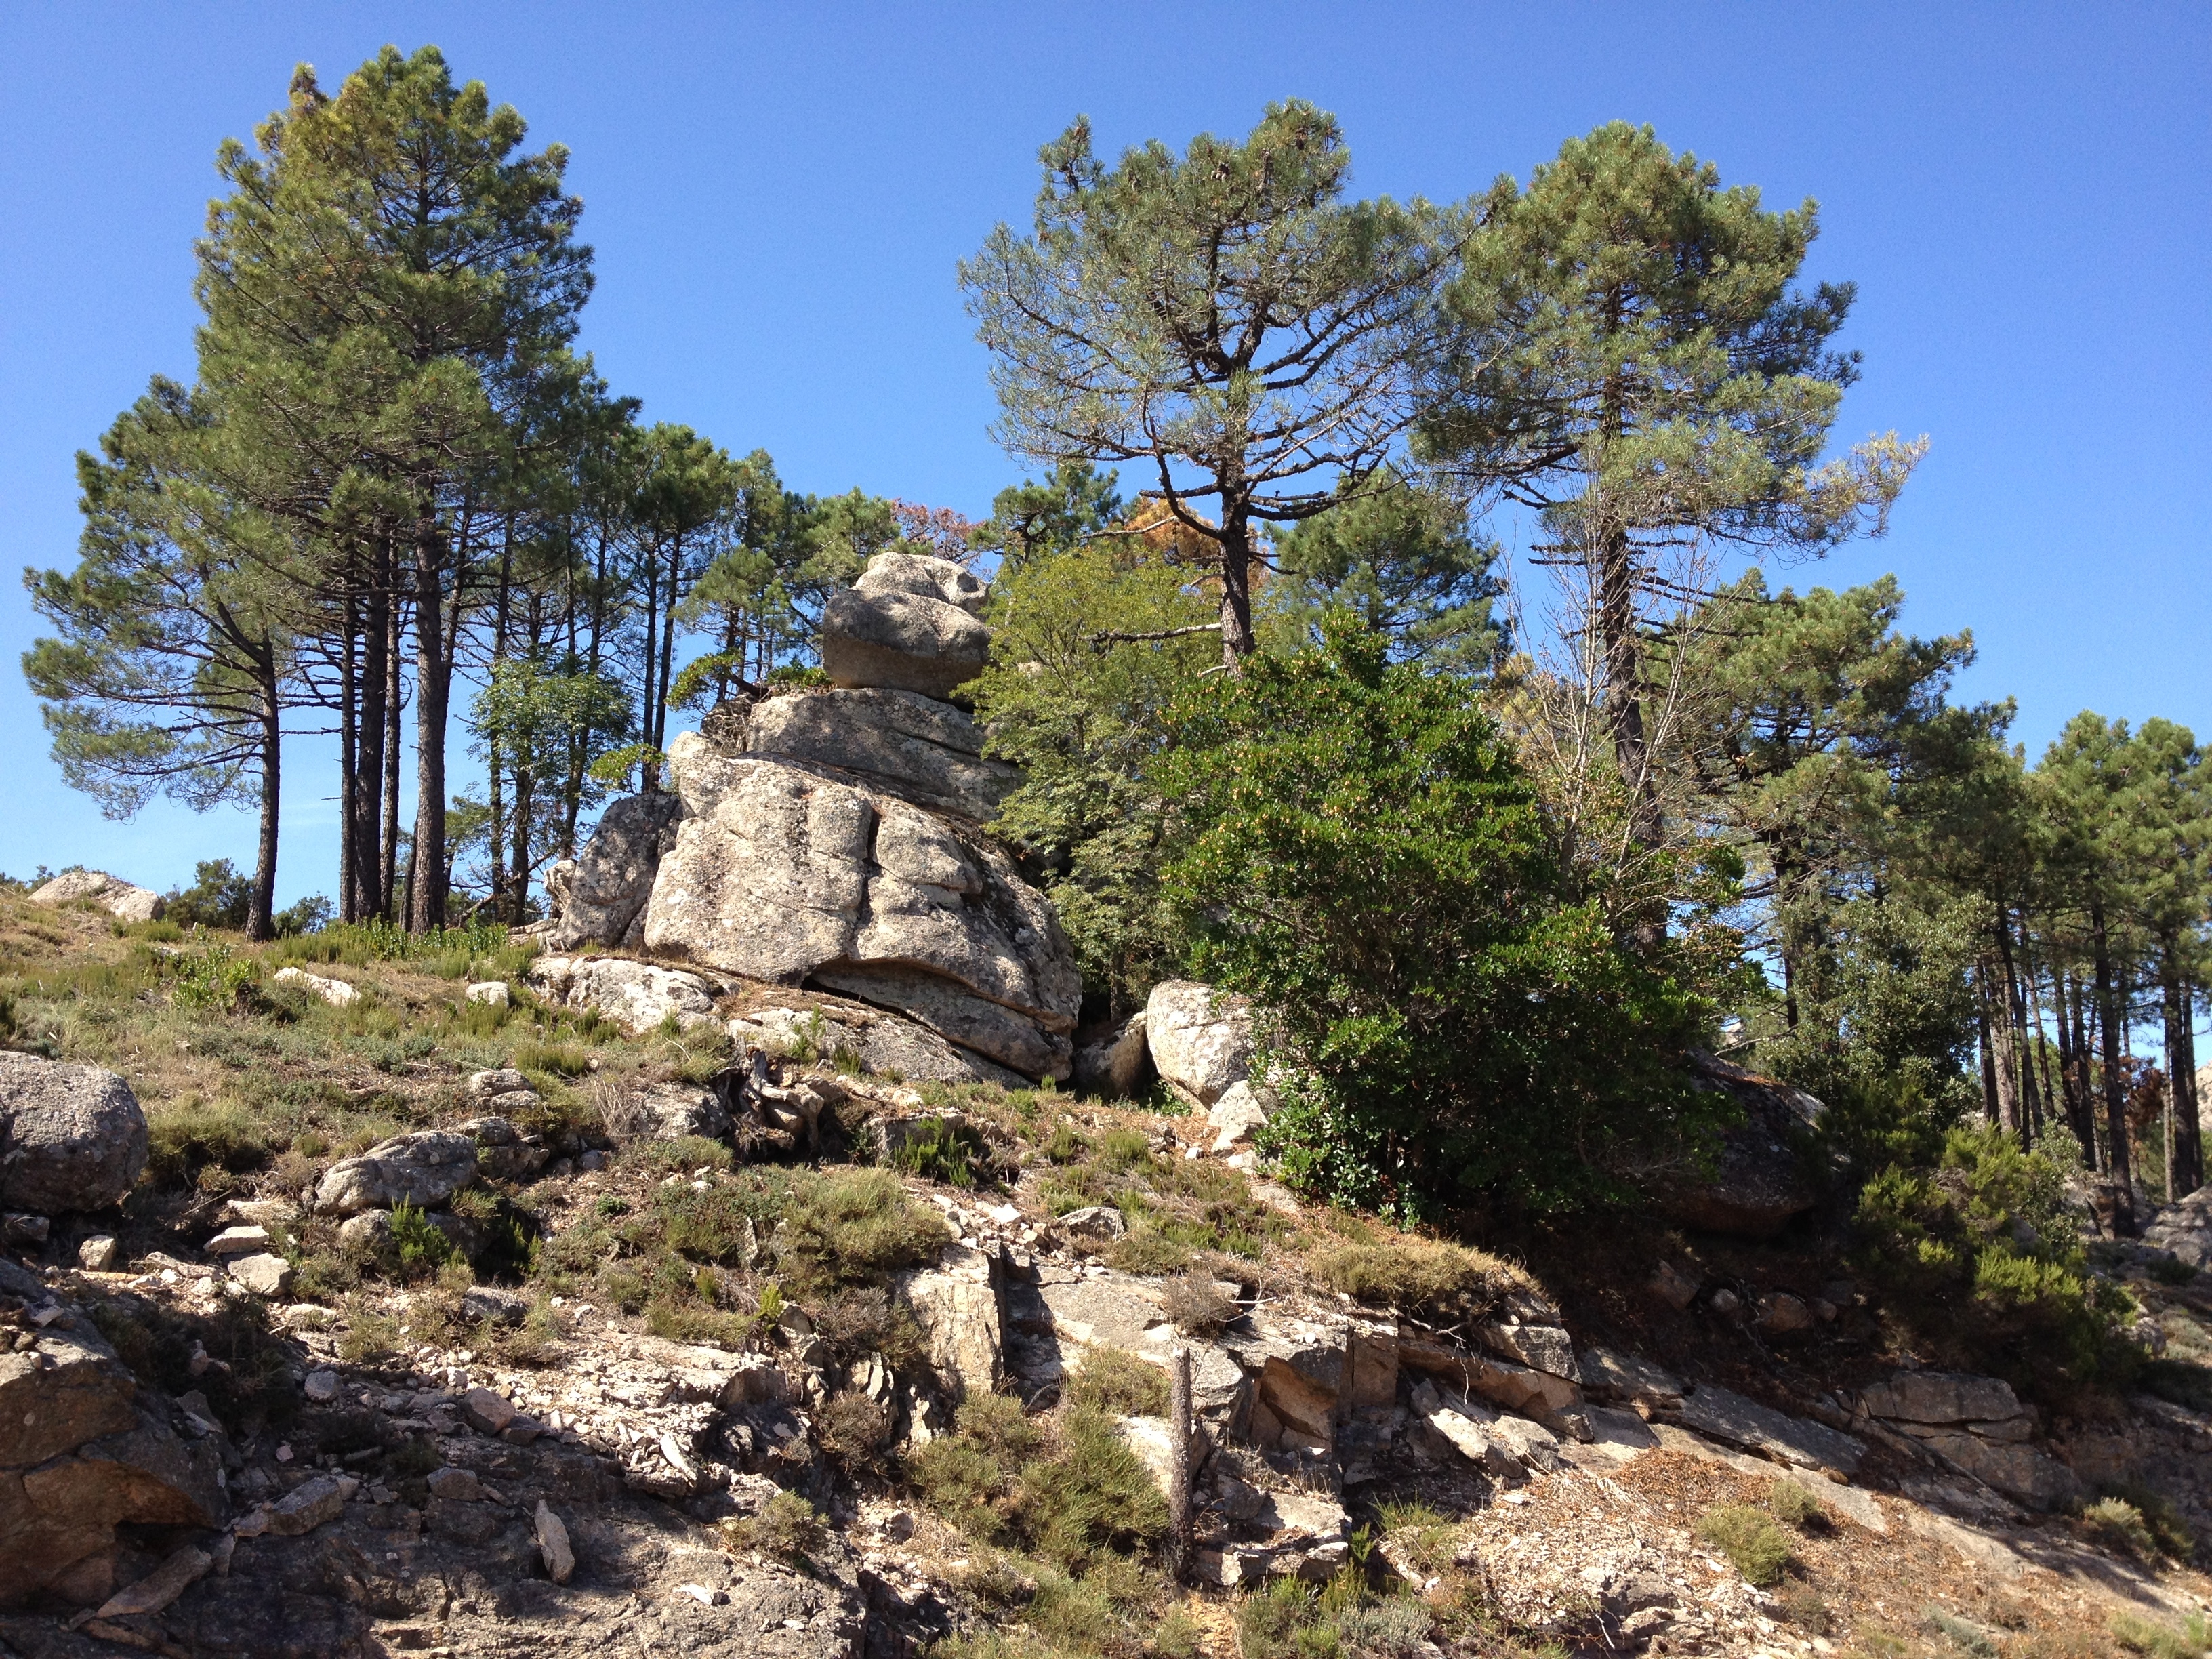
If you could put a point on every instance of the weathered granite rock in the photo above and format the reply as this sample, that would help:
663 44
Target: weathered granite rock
909 624
1118 1065
780 873
956 1305
423 1168
990 1029
2185 1228
881 1042
110 893
669 1111
917 748
336 991
1237 1117
1942 1397
1721 1414
71 1137
636 995
1760 1180
1200 1043
504 1152
2018 1471
598 897
84 1450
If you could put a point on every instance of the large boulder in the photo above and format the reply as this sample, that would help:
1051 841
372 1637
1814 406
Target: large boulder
883 1043
909 624
598 897
636 995
424 1169
1201 1039
71 1137
1118 1065
906 744
2185 1228
668 1111
782 874
1760 1180
110 893
84 1450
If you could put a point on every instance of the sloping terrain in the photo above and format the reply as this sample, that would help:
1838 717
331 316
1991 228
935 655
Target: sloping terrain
730 1346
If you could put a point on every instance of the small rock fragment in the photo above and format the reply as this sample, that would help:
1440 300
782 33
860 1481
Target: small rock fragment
486 1411
20 1228
492 992
321 1387
98 1254
160 1587
704 1596
263 1275
307 1507
458 1486
553 1544
238 1240
1781 1314
1094 1223
1725 1302
1672 1286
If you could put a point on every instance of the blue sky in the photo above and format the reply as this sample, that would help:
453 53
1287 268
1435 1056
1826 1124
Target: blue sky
778 197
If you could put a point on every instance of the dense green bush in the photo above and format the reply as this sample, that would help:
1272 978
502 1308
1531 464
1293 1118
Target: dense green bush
1367 861
1978 1257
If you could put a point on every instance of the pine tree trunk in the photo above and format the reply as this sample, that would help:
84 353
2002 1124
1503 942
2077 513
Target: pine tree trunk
1235 578
2110 1019
2184 1170
433 669
349 760
262 909
378 694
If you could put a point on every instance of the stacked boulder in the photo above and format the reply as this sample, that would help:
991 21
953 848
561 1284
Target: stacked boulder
119 898
832 838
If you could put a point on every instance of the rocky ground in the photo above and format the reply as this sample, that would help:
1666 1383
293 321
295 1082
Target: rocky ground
440 1322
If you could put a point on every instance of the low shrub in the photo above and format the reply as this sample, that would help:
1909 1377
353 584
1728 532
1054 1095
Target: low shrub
953 1154
1119 1384
1414 1274
158 1344
1977 1258
1791 1503
1749 1538
2137 1634
784 1530
188 1136
855 1227
679 1156
2119 1525
2168 1531
1197 1305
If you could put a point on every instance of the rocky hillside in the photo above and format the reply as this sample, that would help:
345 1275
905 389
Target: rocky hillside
371 1296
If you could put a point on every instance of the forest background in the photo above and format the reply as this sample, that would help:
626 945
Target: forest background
777 204
1833 835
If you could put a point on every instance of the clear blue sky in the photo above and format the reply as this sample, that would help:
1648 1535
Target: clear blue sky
778 196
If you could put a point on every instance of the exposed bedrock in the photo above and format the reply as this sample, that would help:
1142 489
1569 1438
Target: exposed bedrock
783 874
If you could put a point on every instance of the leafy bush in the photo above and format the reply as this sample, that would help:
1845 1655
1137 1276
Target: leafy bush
211 979
1368 862
1792 1505
1749 1538
945 1151
1978 1257
220 896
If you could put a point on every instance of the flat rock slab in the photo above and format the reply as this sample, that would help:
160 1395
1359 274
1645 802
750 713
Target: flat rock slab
1942 1397
1722 1414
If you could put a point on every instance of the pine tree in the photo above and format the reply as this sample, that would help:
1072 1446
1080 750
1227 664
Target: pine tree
1632 360
1222 318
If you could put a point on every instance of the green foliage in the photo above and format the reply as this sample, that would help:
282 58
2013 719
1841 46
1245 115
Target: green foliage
1117 1383
211 978
2160 1518
855 1227
1400 559
2137 1634
1793 1506
784 1529
1980 1260
1368 862
1086 714
418 1247
220 896
940 1151
187 1137
1748 1537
